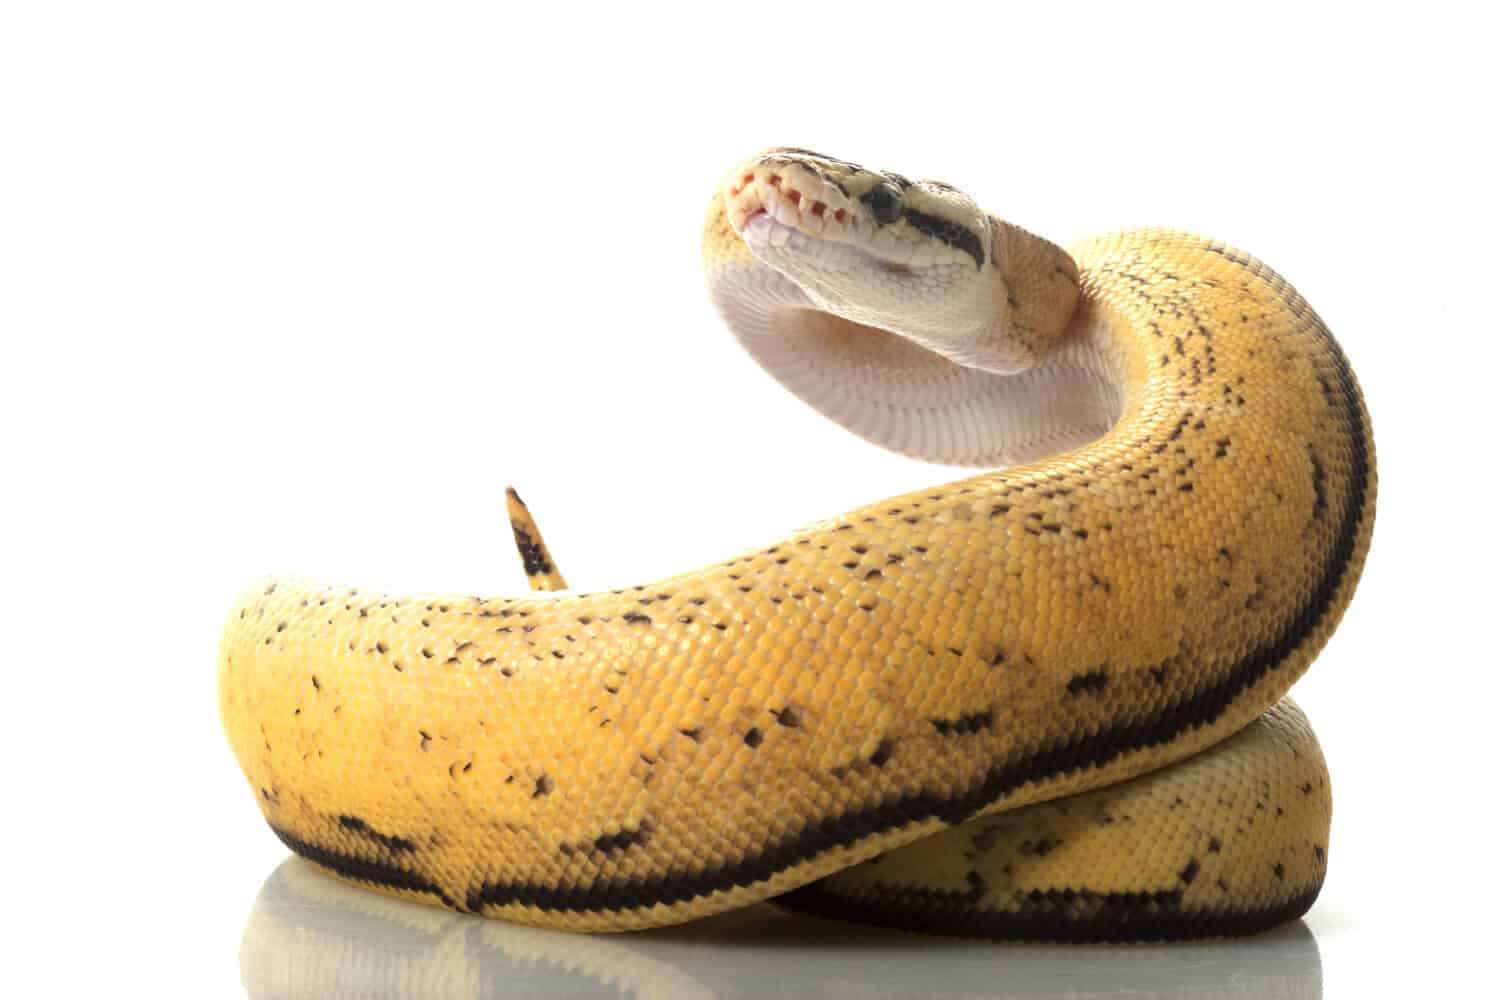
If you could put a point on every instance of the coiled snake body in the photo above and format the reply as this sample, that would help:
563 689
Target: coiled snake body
1043 702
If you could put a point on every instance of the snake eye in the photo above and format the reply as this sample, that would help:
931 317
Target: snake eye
885 203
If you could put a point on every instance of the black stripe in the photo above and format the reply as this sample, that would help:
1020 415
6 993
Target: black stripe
1319 482
951 233
391 843
1085 751
814 161
964 724
799 151
360 869
1076 916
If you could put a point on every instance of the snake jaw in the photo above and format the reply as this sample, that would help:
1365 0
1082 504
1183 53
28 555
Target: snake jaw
793 196
823 212
800 223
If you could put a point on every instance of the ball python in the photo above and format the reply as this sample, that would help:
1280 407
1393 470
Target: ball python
1043 702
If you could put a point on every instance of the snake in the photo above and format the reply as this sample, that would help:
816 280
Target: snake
1045 701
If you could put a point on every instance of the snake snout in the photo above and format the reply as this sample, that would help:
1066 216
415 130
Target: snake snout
791 194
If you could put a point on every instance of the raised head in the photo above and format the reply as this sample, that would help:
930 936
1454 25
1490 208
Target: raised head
915 258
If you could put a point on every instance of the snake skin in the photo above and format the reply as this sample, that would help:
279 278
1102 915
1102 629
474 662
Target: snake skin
971 709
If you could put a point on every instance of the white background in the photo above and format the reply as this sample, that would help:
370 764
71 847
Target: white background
300 287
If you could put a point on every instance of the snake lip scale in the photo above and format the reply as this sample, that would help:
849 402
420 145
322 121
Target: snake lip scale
1046 701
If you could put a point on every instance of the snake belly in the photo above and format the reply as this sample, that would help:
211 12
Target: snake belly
1041 702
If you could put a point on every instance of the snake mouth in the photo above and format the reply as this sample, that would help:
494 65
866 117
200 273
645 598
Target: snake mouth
791 194
782 209
767 235
786 209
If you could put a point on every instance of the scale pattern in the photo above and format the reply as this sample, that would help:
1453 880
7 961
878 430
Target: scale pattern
1230 841
932 662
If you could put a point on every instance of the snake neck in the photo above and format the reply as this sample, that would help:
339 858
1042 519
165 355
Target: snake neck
931 397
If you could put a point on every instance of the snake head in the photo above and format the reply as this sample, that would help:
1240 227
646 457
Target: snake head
842 216
908 257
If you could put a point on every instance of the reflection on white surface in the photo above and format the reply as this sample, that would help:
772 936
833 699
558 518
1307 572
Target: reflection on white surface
310 936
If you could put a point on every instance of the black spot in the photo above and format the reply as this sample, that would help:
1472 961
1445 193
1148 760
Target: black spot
636 618
753 738
1190 872
356 825
882 753
1320 485
619 841
1093 680
1041 848
964 724
787 717
976 886
1215 845
543 787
